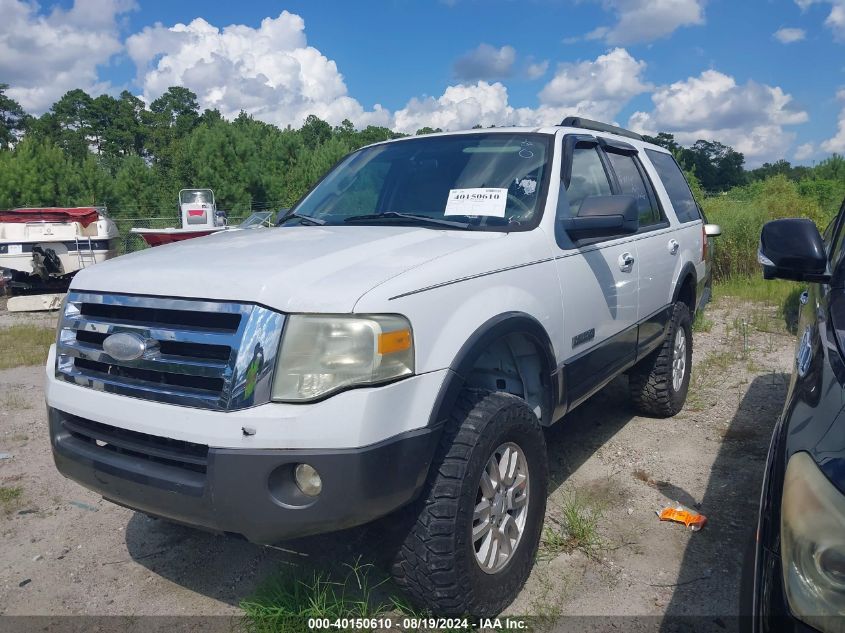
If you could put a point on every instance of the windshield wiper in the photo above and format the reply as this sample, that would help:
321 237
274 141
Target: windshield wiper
305 219
413 217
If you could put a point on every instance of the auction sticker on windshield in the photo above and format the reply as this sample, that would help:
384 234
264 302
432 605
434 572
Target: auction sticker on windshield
490 202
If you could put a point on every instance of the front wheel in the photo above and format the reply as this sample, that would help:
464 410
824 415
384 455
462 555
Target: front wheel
659 383
472 545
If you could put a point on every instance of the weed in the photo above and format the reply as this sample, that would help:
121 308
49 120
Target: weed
13 400
577 528
24 345
743 211
546 607
9 497
285 602
701 323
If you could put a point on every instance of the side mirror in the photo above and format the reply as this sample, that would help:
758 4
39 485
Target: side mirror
712 230
793 249
604 216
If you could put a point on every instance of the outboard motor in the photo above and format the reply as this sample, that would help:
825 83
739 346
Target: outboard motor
45 263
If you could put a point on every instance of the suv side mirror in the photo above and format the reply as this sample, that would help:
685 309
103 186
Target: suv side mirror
604 216
793 249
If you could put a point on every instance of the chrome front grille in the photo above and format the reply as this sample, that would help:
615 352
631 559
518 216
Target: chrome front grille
205 354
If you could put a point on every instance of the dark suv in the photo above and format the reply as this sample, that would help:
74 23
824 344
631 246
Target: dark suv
799 572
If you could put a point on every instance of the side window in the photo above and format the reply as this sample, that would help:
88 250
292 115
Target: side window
631 183
676 186
588 178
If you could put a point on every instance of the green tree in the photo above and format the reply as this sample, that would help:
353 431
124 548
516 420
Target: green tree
665 140
70 120
13 119
718 167
315 132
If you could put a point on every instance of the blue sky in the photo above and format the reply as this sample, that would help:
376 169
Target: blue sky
765 76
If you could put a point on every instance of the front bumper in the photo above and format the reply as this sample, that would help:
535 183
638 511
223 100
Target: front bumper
250 492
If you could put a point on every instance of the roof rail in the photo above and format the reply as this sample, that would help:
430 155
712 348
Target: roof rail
587 124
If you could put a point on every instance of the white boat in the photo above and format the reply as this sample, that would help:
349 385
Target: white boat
50 244
198 214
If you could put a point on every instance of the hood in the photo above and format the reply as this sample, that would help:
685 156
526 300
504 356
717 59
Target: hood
292 269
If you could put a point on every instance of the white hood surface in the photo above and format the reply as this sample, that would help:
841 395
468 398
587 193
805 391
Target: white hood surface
291 269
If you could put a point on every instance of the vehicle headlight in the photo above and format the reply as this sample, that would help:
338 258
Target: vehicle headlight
321 354
813 544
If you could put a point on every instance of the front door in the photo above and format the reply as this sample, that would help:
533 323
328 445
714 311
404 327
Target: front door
599 286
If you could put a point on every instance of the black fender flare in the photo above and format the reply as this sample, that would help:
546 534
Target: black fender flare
489 332
687 271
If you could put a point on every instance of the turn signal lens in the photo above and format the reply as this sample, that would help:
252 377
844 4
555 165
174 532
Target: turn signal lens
392 342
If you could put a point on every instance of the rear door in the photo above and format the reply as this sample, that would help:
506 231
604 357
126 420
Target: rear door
658 244
598 280
672 187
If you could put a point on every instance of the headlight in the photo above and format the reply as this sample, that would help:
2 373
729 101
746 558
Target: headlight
813 544
322 354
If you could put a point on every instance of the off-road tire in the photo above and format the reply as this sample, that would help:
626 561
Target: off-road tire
650 381
436 562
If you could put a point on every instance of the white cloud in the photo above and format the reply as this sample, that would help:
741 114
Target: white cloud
485 62
42 56
790 35
804 152
647 20
837 142
269 71
535 70
712 106
596 89
459 107
836 18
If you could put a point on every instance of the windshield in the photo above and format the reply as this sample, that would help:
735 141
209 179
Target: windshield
494 181
259 219
196 196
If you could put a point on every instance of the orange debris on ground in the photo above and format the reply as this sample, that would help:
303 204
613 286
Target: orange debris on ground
692 520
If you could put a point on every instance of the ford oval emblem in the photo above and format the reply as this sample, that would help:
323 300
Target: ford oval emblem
125 346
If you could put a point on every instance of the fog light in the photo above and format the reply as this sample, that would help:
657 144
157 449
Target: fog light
308 480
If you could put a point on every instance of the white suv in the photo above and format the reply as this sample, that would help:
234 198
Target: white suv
401 340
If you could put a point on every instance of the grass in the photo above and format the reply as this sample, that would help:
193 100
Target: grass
754 288
284 603
743 211
709 373
9 497
14 400
782 294
577 528
24 345
701 322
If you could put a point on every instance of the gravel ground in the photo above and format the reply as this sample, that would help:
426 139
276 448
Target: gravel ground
63 550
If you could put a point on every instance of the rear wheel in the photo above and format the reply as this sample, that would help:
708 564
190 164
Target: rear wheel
472 544
659 383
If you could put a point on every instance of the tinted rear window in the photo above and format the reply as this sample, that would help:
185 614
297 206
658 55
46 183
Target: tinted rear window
676 186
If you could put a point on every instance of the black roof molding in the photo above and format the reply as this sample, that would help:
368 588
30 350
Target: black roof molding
597 126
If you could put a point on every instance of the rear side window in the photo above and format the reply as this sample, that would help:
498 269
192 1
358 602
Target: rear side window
588 178
676 186
631 183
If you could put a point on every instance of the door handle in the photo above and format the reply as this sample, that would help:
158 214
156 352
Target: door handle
626 261
673 247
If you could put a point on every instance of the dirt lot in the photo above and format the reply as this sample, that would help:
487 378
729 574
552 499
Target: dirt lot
63 550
